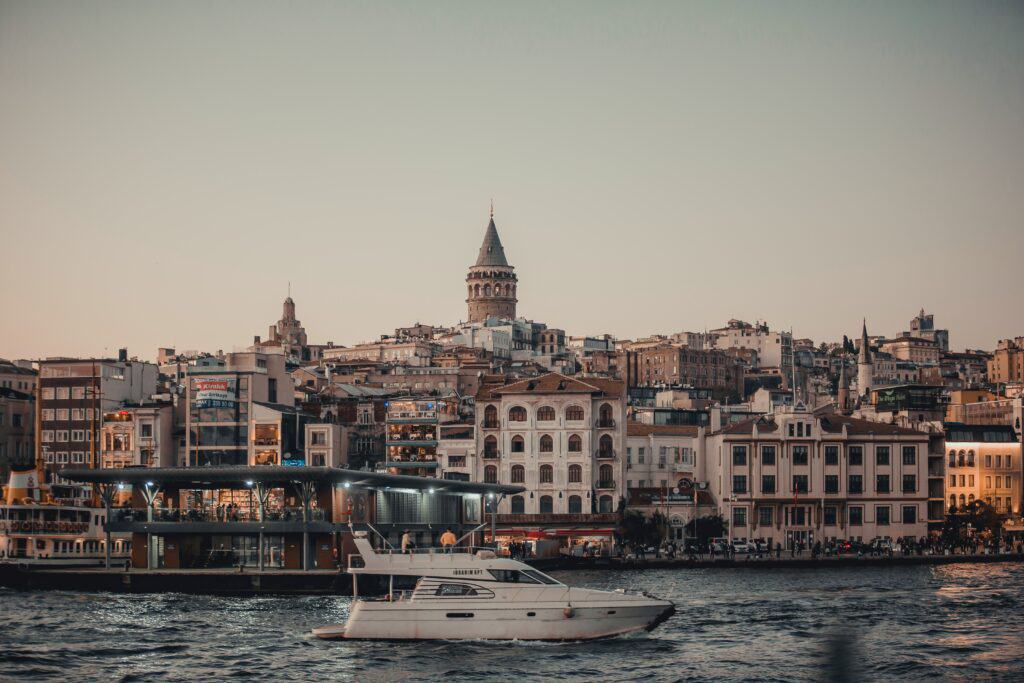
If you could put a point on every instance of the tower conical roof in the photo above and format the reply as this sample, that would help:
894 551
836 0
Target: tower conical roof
491 251
865 350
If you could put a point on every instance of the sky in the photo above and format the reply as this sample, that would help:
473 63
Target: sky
167 169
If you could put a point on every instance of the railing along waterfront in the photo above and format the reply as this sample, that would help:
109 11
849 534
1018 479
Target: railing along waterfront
208 515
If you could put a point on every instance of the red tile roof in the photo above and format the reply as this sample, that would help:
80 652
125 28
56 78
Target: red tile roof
640 429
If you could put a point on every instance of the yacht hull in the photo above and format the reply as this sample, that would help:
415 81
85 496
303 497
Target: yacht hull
553 622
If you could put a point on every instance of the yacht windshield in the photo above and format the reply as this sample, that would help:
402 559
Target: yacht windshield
540 576
524 576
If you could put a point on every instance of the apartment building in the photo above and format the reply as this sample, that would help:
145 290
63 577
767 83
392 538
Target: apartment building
242 412
800 477
412 431
138 436
560 437
74 394
984 463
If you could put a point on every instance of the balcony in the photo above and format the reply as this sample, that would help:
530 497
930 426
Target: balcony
605 423
491 455
604 454
399 441
490 424
411 464
606 484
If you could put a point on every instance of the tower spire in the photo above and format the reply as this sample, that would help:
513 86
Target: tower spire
492 207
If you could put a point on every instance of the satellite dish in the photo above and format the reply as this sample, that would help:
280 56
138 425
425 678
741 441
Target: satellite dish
675 489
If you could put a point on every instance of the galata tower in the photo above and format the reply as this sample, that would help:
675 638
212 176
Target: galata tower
491 283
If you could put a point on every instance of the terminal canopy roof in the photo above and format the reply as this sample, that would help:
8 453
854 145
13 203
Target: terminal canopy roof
227 477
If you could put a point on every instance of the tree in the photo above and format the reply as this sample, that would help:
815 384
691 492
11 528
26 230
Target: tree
704 529
977 517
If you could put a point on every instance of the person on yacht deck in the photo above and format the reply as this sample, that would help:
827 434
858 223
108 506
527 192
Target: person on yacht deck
448 540
407 543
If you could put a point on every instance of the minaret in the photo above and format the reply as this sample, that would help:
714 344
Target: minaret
843 395
491 282
865 364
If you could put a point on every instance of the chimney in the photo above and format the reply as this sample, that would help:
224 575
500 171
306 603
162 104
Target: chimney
122 355
256 340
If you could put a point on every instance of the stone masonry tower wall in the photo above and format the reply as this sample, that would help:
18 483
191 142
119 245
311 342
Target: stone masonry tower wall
491 282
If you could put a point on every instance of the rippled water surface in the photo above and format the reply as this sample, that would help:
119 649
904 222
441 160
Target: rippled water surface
954 622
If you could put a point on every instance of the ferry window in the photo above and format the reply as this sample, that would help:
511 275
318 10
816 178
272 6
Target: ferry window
543 578
454 589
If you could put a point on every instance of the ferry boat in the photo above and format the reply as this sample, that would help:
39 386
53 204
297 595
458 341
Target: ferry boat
470 593
54 525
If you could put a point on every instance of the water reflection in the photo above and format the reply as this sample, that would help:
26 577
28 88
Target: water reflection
953 622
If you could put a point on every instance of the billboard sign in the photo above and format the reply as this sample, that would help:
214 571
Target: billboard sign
214 393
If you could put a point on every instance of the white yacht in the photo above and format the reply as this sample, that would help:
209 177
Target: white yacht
472 594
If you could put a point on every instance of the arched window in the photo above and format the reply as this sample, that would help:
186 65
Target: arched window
963 500
604 477
575 474
491 447
604 504
575 443
575 505
605 449
547 444
518 505
545 414
491 474
547 474
476 289
517 414
508 290
970 458
952 458
970 498
960 460
487 289
469 291
952 502
574 414
604 419
491 417
518 474
546 505
518 444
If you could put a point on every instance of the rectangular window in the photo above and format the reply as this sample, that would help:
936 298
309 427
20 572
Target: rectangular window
767 483
47 393
48 415
62 435
63 393
856 484
881 455
47 435
77 414
77 435
909 455
882 515
78 393
146 430
970 477
952 480
764 516
910 514
800 484
62 414
767 455
831 455
909 483
739 517
856 515
988 481
855 456
739 456
882 483
799 455
831 483
988 461
830 515
739 483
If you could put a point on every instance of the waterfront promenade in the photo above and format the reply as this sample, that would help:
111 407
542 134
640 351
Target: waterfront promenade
786 561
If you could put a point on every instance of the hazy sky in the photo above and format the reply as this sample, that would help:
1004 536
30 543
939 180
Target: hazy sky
167 168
